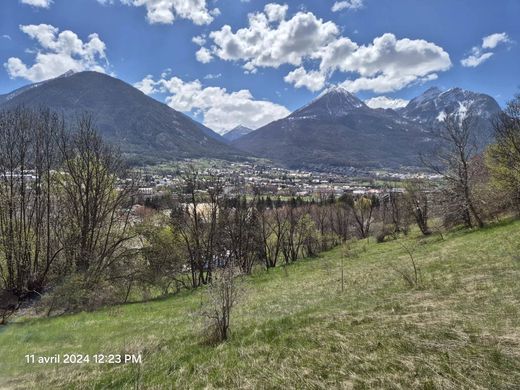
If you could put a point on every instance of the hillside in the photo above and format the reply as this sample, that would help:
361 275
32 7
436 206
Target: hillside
338 129
297 329
143 128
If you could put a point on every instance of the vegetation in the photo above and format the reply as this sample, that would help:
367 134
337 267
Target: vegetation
459 329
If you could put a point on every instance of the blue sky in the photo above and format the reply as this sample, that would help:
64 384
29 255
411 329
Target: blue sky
230 62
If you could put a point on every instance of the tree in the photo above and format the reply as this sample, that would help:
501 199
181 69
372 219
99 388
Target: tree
94 189
416 197
362 210
456 151
222 295
28 206
196 220
273 227
240 226
503 157
163 261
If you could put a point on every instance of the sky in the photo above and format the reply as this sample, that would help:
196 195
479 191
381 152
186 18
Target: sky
248 62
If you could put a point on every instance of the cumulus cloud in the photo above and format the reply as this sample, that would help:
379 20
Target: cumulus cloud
480 54
347 4
222 110
166 11
493 40
389 64
386 102
147 85
37 3
203 55
269 41
313 81
58 52
272 39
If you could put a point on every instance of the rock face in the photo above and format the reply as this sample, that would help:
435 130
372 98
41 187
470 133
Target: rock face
236 133
144 129
338 129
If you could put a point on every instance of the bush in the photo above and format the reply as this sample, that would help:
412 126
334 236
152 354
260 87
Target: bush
74 294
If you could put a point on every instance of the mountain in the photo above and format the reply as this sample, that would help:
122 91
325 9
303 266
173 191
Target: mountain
430 108
338 129
144 129
237 132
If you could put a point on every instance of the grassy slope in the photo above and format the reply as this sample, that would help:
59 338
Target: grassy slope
298 330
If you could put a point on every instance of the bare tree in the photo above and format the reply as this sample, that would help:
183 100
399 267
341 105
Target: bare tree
457 148
93 196
273 227
239 225
222 295
416 197
196 220
28 206
504 156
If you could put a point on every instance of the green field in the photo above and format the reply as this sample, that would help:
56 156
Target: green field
295 328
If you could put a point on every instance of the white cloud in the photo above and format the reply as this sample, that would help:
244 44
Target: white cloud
347 4
271 39
493 40
313 81
271 42
6 36
203 55
390 64
478 54
386 102
475 60
58 53
147 85
37 3
222 110
275 12
199 40
166 11
212 76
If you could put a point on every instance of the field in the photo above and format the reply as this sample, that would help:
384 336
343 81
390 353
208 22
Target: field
296 328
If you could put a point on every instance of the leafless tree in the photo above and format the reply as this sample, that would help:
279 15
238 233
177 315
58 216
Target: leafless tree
222 295
504 155
93 196
273 227
417 199
28 206
239 225
196 220
457 148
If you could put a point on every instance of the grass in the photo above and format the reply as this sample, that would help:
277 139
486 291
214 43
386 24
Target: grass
459 329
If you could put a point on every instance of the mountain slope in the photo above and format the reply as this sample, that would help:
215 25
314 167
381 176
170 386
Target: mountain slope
142 127
339 129
237 132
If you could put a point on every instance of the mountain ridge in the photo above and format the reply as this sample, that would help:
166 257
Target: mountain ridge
142 127
337 128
